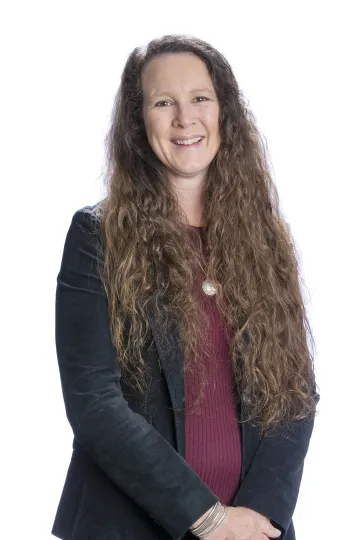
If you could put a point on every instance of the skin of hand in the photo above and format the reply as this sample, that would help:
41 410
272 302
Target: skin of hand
242 523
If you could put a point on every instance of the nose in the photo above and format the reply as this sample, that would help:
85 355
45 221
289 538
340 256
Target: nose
183 116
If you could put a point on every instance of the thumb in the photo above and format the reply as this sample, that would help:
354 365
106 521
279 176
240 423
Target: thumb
272 532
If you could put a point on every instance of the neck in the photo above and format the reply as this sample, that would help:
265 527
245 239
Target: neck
190 195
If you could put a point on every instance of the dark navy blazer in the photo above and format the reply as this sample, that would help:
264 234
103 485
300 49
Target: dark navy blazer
128 478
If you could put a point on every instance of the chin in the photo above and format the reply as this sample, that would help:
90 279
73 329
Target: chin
192 169
190 172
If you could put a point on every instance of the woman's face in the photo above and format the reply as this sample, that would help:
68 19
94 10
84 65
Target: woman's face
180 104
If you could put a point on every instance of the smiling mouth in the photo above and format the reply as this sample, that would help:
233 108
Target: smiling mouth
195 141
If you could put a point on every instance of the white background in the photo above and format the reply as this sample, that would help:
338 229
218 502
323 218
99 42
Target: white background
61 64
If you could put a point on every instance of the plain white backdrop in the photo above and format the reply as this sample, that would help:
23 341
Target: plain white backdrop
61 63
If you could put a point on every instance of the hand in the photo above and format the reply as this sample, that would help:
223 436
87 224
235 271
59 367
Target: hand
242 523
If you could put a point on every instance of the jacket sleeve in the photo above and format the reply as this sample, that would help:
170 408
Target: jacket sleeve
272 484
124 445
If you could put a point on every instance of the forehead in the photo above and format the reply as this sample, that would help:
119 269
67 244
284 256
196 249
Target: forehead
181 72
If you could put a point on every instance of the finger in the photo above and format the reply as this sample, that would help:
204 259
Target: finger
270 531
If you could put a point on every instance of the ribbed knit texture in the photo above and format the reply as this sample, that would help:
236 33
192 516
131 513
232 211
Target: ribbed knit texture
213 446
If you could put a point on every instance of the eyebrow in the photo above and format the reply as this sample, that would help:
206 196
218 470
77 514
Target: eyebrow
202 90
195 90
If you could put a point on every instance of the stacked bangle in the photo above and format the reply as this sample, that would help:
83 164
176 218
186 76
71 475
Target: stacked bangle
208 531
207 526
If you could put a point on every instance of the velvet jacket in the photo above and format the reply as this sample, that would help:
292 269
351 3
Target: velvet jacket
128 478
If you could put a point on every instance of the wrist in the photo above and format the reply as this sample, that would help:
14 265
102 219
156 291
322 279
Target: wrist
212 521
201 519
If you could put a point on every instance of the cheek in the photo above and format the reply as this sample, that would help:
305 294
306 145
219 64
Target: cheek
212 121
149 125
157 131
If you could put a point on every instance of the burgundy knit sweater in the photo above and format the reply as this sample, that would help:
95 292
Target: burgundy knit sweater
213 446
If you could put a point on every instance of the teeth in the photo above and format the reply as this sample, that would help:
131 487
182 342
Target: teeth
188 141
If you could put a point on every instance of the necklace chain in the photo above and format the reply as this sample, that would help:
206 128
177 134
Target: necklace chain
207 285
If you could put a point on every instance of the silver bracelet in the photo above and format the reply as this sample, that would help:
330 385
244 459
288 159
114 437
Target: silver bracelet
209 520
216 524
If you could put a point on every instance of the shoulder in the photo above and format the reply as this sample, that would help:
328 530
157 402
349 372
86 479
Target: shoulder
84 230
86 218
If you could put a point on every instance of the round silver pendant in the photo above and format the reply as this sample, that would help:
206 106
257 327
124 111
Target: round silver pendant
208 288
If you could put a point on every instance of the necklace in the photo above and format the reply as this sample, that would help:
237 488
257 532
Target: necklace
208 287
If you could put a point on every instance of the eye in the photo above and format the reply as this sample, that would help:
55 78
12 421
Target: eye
202 97
159 103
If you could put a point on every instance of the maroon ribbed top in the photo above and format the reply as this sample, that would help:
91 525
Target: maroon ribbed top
212 434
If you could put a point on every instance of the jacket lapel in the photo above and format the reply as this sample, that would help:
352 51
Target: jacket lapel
172 361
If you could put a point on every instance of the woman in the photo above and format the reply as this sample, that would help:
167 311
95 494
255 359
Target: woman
181 332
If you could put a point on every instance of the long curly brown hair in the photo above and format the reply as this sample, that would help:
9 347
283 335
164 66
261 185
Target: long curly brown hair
251 257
